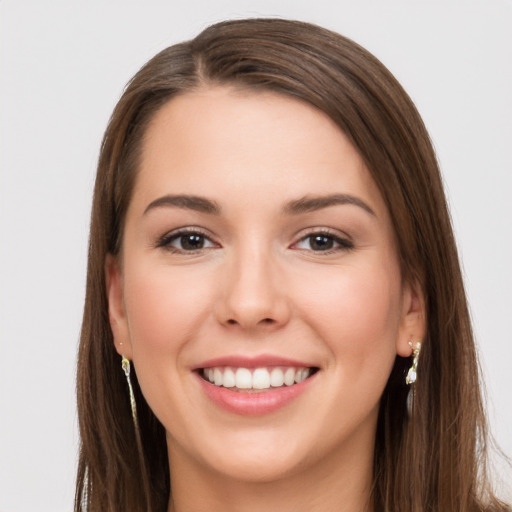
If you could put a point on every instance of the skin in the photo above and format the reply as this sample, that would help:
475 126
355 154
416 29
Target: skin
259 286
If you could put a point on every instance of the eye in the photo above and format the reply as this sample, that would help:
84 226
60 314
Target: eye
323 242
186 241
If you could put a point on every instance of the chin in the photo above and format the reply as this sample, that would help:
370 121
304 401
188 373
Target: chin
260 467
261 455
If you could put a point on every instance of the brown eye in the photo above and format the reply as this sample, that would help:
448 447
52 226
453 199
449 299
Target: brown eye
323 242
190 241
186 241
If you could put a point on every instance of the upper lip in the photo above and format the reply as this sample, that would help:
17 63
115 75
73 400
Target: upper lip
259 361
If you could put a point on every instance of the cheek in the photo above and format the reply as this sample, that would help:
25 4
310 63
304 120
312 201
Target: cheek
164 308
357 312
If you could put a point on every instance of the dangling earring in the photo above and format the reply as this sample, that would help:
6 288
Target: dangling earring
125 364
411 376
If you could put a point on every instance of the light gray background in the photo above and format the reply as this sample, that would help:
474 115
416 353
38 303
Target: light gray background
62 68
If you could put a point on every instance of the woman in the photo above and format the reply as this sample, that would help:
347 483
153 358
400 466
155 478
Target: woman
272 270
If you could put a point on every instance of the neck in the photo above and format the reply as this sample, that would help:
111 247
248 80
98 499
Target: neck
340 481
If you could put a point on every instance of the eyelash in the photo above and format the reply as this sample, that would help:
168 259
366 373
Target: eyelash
344 244
167 239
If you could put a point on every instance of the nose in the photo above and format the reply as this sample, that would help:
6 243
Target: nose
252 293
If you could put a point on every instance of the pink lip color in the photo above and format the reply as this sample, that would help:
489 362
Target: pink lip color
253 404
261 361
259 403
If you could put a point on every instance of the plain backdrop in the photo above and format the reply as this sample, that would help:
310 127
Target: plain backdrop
63 66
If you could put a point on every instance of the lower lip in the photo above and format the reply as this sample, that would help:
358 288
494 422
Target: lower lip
253 404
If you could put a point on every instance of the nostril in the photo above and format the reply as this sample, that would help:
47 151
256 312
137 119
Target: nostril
263 322
232 321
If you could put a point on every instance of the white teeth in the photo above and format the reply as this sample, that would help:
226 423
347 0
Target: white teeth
229 378
289 376
217 377
259 378
276 378
243 378
301 375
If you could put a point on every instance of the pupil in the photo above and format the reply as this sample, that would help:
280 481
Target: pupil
192 242
321 242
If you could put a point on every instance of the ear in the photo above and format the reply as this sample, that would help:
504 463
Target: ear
413 326
116 307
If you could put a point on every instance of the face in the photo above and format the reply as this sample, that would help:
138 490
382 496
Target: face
258 254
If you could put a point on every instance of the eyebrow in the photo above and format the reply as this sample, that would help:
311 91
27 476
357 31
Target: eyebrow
197 203
312 203
305 204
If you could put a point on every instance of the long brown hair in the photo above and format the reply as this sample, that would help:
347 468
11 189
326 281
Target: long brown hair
432 461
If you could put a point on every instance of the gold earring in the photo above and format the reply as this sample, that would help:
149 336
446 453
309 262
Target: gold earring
411 374
411 378
125 364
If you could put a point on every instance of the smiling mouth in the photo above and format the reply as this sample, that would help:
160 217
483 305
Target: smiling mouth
255 380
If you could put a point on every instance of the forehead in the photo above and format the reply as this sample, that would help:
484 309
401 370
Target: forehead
256 146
